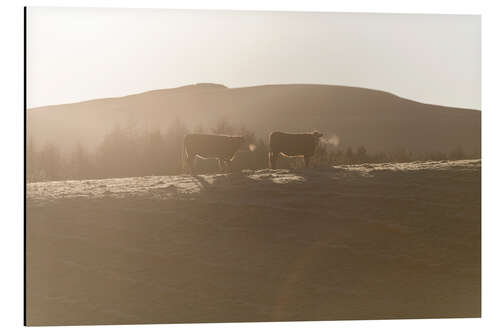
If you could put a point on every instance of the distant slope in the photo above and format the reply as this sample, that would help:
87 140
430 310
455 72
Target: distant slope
378 120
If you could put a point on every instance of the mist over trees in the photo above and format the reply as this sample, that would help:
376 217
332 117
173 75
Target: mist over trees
128 152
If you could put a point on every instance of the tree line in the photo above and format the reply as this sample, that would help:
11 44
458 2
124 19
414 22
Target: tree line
127 152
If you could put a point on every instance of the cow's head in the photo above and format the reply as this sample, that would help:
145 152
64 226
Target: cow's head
243 144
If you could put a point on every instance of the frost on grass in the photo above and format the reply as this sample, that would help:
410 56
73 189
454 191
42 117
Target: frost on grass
370 241
183 186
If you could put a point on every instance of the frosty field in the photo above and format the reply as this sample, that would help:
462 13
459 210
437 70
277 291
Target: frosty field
367 241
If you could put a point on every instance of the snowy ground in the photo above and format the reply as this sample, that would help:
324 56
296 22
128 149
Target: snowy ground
183 185
351 242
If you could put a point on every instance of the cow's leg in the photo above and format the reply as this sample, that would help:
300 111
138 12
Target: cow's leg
189 162
307 158
221 165
272 159
229 166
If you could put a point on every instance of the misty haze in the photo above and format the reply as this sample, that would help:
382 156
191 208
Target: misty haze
224 173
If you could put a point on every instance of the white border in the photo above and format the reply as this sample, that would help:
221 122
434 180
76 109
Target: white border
11 91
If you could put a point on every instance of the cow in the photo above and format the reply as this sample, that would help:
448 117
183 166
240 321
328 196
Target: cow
288 144
221 147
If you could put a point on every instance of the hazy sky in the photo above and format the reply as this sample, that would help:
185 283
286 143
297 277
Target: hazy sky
77 54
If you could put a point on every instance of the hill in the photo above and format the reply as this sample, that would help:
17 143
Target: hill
378 120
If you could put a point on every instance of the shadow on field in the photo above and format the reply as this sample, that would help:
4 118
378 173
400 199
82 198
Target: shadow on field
267 245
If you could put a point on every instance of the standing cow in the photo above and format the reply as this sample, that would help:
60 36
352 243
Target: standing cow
221 147
292 145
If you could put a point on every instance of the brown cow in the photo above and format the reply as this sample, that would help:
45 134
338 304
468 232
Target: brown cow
221 147
292 145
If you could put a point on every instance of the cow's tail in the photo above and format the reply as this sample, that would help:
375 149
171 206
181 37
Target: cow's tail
184 157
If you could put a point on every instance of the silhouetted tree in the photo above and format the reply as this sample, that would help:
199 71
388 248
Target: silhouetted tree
127 152
199 129
32 167
116 155
380 158
457 153
174 146
50 162
223 127
361 155
399 155
349 156
80 166
321 156
435 156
